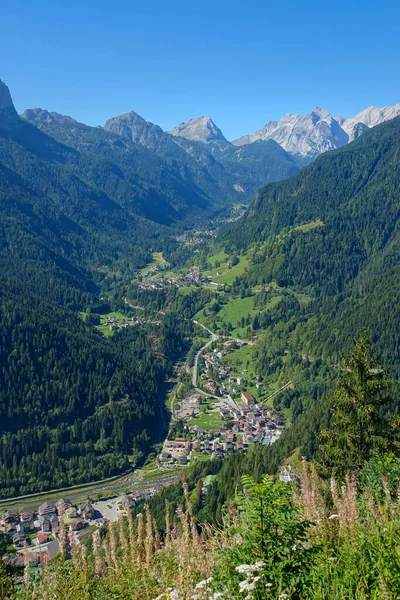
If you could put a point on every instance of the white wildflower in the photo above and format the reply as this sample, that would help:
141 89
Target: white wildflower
333 516
216 596
247 585
250 569
203 583
247 569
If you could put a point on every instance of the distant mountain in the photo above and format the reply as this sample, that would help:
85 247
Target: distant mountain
5 97
206 160
134 175
310 135
8 114
306 136
200 129
370 117
64 212
68 221
133 127
332 231
263 161
38 116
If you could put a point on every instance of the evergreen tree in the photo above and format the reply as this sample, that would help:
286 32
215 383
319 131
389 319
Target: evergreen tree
361 422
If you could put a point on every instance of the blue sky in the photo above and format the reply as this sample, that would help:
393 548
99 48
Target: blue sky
243 63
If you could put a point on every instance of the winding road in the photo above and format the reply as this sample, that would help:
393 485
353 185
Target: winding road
196 360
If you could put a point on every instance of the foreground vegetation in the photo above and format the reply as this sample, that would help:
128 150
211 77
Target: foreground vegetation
316 540
314 537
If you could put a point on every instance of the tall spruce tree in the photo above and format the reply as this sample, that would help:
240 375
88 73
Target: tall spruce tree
361 423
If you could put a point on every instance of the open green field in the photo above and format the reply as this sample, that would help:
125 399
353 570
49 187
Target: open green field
309 226
304 228
158 258
240 360
157 261
237 308
185 291
209 420
224 274
105 330
198 457
232 309
303 299
220 257
231 312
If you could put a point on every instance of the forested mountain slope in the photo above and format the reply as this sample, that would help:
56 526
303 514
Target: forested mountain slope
332 232
226 176
74 406
133 175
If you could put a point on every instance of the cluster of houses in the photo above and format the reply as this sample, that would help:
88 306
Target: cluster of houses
176 452
41 526
218 379
249 423
35 534
114 324
194 238
244 423
193 277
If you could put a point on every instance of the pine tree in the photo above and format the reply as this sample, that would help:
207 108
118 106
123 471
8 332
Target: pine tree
361 422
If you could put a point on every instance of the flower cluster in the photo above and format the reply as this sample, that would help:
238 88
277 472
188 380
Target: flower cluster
250 583
202 591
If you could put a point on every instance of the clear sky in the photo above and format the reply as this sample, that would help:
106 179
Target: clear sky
242 62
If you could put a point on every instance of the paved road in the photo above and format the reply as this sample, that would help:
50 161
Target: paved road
196 360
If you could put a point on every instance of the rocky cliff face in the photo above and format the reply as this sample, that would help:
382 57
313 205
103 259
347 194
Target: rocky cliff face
5 97
370 117
8 115
133 127
310 135
38 116
306 136
200 129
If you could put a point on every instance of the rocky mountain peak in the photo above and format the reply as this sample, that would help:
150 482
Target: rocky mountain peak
8 115
322 113
133 127
370 117
305 136
5 97
199 129
38 115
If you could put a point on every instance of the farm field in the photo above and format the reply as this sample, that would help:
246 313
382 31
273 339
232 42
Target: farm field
224 274
152 268
104 329
229 313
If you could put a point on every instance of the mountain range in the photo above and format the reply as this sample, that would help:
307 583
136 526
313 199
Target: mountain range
82 209
181 181
332 232
196 173
310 135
